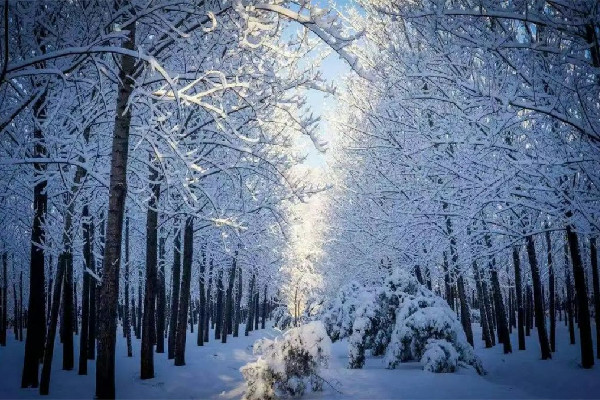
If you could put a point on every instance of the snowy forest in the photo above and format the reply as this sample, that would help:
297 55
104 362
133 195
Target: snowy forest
347 199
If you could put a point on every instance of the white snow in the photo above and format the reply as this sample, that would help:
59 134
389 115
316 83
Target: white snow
213 372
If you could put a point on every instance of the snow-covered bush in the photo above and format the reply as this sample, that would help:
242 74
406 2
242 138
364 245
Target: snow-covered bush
406 321
439 356
289 364
339 315
282 319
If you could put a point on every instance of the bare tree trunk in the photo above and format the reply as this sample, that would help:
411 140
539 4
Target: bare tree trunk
202 304
161 299
256 310
551 294
91 345
219 315
67 309
596 285
208 303
487 335
175 292
127 316
228 314
264 310
4 299
537 298
585 330
109 290
34 344
250 305
138 332
519 296
85 291
48 354
238 305
148 323
188 251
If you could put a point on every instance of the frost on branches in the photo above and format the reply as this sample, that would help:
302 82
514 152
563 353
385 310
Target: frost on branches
405 322
288 365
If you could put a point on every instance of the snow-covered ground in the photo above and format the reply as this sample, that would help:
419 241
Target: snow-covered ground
212 371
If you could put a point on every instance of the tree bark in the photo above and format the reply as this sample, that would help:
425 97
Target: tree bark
219 315
85 291
250 305
176 272
161 299
537 299
551 294
127 316
34 344
238 305
148 320
48 354
585 330
109 290
519 297
208 303
596 285
4 315
188 251
202 301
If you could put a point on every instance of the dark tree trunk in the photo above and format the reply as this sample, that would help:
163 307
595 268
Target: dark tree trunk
67 312
175 292
85 291
585 330
91 345
208 303
219 315
596 284
551 294
138 333
4 299
528 308
487 334
537 298
191 320
109 289
256 310
148 321
15 312
127 316
500 312
36 311
161 299
202 301
238 305
228 314
519 297
465 312
250 305
264 310
48 354
447 280
188 252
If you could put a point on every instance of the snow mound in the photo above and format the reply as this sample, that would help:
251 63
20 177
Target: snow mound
289 364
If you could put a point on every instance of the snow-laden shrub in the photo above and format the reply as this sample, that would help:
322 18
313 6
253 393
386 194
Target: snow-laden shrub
423 319
282 319
289 364
402 321
339 315
439 356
